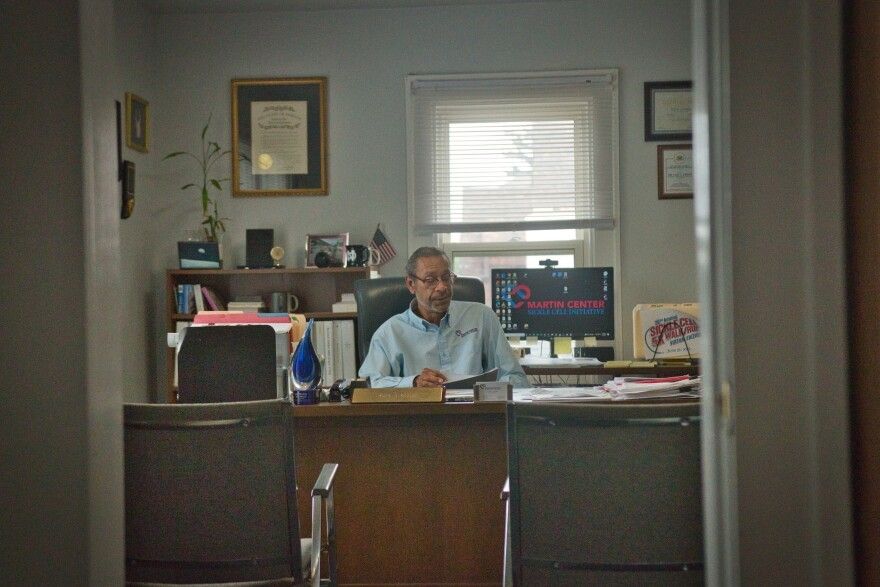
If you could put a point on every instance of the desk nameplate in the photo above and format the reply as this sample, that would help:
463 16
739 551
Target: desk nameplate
396 395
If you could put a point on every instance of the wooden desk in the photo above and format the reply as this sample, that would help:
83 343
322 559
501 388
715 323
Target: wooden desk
417 494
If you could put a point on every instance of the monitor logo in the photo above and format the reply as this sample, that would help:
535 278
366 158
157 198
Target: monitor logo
519 295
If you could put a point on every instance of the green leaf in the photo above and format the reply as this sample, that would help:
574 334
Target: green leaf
187 186
174 154
216 184
207 124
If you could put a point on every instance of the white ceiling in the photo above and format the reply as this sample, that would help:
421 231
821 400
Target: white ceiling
197 6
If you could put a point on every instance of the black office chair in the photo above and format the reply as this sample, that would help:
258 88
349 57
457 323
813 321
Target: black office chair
210 497
380 299
226 364
604 494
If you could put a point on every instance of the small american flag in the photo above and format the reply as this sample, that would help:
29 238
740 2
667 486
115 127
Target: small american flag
381 243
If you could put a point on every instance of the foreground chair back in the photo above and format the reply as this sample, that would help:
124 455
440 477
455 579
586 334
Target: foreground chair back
380 299
605 494
210 496
227 364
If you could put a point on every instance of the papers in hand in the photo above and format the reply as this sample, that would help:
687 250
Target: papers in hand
456 381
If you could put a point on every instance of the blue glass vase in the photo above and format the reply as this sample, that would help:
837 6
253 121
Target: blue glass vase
305 370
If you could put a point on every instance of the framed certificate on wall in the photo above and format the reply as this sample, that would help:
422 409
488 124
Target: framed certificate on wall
675 171
279 137
668 111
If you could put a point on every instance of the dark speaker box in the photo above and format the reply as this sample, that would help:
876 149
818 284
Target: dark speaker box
603 353
259 241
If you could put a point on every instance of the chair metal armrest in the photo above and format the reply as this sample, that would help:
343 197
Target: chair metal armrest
324 484
323 492
507 566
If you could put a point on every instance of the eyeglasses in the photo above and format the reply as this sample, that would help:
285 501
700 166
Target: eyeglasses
431 281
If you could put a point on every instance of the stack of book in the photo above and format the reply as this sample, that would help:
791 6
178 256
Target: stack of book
345 304
192 298
247 304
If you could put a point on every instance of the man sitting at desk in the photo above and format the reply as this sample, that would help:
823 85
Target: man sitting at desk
437 335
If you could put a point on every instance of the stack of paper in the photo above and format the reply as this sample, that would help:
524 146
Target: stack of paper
645 387
568 394
535 361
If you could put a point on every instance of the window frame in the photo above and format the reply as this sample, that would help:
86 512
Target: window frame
592 247
410 80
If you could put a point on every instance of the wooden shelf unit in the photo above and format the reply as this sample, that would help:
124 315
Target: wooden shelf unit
317 290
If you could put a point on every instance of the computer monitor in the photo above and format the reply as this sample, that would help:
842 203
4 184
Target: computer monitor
552 302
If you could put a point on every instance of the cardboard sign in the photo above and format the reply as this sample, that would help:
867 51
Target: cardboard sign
666 331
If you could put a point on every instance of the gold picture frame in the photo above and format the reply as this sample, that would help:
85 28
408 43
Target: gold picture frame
279 137
137 123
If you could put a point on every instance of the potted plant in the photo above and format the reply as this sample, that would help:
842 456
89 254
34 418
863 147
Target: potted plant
213 224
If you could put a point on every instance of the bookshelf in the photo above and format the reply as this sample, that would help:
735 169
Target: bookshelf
316 288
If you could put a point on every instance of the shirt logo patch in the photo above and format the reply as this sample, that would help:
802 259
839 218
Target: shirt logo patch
465 333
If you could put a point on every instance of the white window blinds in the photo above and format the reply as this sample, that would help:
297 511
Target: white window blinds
515 152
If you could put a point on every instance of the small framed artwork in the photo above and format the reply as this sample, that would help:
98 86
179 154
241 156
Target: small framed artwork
279 137
675 171
137 123
326 250
668 111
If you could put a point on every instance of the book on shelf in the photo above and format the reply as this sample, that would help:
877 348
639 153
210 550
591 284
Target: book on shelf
212 300
185 298
197 298
343 331
334 343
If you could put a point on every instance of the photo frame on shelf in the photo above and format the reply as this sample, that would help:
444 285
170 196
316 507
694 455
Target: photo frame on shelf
279 137
675 172
137 123
326 250
668 111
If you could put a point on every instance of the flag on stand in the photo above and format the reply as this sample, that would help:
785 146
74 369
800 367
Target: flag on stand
381 243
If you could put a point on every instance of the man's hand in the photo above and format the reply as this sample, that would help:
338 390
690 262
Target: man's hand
429 378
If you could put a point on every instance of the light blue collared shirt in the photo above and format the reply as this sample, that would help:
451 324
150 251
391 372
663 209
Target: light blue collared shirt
468 341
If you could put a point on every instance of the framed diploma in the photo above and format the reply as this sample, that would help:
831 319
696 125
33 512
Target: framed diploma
675 171
279 137
668 111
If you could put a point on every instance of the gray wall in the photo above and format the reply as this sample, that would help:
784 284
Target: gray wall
61 405
365 55
134 38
